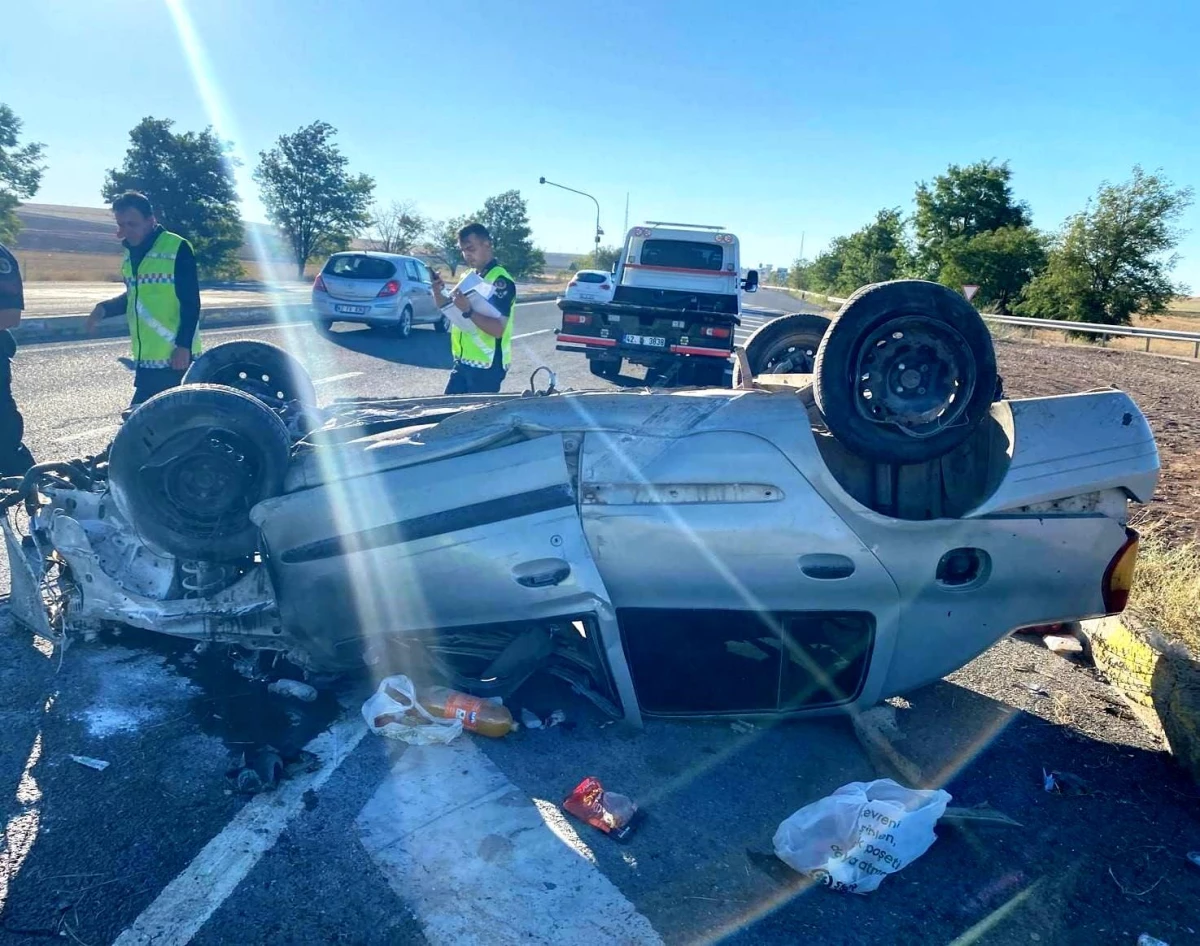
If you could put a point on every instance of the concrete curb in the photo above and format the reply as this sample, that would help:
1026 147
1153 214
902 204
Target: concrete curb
67 328
1162 684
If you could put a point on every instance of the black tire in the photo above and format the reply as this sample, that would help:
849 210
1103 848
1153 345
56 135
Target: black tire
906 372
608 370
786 345
442 325
187 467
260 369
403 328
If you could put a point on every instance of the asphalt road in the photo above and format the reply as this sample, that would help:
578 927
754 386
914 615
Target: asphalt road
78 298
387 844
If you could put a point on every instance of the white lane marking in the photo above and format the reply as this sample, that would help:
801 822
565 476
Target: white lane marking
338 377
85 434
534 876
187 902
541 331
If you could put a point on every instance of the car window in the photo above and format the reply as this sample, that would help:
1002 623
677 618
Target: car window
683 254
592 277
410 270
423 272
359 267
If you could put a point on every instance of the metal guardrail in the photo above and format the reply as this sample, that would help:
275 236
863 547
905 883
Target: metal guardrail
1086 328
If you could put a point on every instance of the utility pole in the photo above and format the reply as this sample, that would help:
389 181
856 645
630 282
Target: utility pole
802 244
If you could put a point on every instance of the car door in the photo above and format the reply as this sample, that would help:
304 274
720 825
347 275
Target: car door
422 288
738 589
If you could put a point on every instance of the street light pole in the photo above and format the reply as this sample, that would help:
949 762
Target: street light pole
599 232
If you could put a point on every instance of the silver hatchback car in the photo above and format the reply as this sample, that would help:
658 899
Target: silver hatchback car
380 289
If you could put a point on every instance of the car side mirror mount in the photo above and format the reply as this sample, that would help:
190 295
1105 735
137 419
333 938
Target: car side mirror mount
750 283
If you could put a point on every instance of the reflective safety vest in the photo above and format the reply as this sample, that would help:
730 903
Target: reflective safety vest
475 347
151 304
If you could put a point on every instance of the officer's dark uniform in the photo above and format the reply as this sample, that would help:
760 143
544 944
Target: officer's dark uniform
15 457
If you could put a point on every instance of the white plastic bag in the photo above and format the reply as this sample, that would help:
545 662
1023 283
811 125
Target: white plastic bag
852 839
397 696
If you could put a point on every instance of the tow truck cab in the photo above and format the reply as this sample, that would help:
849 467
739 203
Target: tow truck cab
675 305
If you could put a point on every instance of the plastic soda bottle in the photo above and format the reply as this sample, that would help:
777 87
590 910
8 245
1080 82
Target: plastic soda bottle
477 715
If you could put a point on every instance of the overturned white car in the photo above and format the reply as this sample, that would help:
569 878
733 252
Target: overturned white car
800 544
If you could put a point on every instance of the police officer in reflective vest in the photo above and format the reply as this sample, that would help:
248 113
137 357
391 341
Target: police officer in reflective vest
161 298
481 355
15 458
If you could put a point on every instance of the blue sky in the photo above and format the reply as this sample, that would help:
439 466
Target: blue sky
774 119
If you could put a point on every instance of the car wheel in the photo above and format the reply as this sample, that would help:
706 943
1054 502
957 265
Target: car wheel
442 325
906 372
786 345
187 467
403 328
604 368
260 369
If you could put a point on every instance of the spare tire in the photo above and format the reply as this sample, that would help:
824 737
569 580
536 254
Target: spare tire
187 467
260 369
786 345
906 372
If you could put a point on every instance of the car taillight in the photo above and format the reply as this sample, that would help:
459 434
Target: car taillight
1118 577
713 332
319 284
574 318
390 289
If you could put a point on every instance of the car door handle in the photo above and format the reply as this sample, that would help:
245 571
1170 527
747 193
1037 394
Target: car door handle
824 566
542 573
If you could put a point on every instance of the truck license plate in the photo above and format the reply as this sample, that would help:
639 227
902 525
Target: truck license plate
652 341
351 309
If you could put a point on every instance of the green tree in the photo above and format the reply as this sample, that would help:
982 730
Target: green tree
876 253
1113 260
961 203
20 171
189 179
507 218
397 227
1001 262
443 240
309 194
603 257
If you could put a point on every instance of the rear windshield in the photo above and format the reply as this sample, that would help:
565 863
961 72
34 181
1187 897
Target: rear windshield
591 277
682 254
359 267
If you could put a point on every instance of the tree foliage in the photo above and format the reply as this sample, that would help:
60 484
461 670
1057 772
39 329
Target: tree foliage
310 195
876 253
443 242
1001 262
1113 259
603 257
20 171
188 177
507 218
397 227
964 202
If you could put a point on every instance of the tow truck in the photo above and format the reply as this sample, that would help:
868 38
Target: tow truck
676 303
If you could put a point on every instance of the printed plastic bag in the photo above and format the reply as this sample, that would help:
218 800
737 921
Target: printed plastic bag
852 839
393 711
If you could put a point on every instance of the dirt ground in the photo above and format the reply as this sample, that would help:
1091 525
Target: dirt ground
1166 389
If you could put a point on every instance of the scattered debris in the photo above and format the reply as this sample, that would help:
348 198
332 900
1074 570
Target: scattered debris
294 689
393 711
741 727
878 732
981 813
1147 940
98 764
557 718
263 769
1033 688
530 720
1194 857
615 815
852 839
1064 783
477 715
247 668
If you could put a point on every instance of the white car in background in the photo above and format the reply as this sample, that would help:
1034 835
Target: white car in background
385 290
590 285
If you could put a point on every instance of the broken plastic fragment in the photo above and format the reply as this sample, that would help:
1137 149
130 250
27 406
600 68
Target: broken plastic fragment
530 720
557 717
293 688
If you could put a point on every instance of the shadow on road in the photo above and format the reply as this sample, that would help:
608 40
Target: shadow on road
424 348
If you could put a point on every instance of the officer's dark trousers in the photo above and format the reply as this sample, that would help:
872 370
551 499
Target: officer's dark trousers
148 382
15 458
467 380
